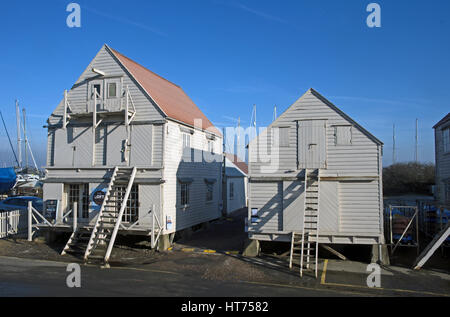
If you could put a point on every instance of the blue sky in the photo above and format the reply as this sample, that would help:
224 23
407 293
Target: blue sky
230 54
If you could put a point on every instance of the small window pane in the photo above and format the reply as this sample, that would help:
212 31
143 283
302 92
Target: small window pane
184 193
209 192
231 190
447 192
284 136
211 147
186 140
97 88
112 90
446 139
343 135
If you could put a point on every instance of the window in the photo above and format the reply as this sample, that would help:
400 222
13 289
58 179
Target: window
186 140
231 190
85 201
184 194
131 212
211 146
74 196
186 151
446 140
284 136
79 193
343 135
209 191
96 88
112 90
447 192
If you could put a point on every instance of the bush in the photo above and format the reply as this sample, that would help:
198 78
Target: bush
408 178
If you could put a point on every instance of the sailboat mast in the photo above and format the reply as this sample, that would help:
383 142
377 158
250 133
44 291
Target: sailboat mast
19 141
25 138
9 139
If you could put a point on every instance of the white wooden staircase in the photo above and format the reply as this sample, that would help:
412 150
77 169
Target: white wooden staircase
97 243
305 245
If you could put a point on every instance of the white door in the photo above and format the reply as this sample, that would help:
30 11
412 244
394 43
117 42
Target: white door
311 147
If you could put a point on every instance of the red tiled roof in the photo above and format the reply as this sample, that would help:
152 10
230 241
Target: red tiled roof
171 99
238 162
444 120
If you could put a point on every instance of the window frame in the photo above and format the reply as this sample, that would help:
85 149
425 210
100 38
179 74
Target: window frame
108 95
336 139
184 189
211 146
280 142
447 191
186 140
231 196
209 192
93 89
446 140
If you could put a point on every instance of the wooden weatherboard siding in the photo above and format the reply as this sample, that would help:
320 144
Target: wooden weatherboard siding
350 168
442 161
175 169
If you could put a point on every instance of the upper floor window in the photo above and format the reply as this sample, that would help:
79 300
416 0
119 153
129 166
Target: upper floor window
211 146
186 140
446 139
342 135
112 90
284 136
96 88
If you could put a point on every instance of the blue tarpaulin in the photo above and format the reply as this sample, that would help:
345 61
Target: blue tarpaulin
7 179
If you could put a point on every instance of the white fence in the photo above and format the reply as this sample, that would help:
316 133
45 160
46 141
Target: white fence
12 222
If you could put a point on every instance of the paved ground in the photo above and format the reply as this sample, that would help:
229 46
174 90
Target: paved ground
207 264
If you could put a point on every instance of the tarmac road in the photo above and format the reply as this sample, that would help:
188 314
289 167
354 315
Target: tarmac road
29 277
26 277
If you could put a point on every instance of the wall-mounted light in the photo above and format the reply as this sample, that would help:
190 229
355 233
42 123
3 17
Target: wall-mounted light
95 70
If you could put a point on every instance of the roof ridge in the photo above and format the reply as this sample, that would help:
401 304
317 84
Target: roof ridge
133 61
442 121
342 113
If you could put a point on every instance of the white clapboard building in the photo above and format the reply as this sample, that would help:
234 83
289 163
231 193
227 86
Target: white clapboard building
135 155
236 181
315 177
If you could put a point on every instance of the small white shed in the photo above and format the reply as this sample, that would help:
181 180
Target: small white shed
315 165
236 183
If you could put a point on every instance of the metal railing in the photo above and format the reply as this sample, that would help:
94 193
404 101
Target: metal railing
410 213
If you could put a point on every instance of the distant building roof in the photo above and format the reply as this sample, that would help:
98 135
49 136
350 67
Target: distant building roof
444 120
170 98
238 162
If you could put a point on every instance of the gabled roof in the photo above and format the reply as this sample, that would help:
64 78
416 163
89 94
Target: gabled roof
238 162
343 114
443 120
332 106
170 98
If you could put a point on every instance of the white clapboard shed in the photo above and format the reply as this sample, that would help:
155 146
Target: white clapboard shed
315 176
236 181
135 155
